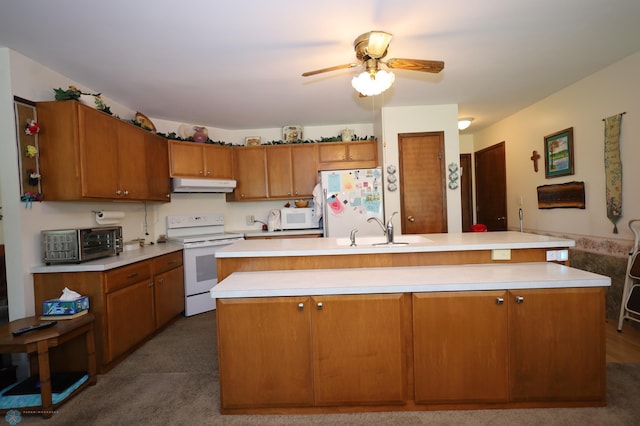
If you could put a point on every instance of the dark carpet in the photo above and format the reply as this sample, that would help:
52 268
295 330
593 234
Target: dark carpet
173 380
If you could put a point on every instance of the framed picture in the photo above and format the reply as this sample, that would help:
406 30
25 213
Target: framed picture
558 153
252 141
292 134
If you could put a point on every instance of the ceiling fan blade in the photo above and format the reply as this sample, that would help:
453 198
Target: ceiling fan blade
337 67
416 65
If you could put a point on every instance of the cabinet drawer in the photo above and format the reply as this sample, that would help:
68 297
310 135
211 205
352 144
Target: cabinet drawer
127 275
167 262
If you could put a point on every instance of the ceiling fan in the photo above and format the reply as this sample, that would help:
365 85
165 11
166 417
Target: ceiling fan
370 48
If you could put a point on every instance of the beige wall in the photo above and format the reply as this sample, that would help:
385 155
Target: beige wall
432 118
582 106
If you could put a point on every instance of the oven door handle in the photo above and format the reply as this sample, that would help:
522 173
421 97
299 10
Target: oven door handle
215 243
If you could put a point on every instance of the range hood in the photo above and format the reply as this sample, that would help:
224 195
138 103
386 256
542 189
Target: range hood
202 185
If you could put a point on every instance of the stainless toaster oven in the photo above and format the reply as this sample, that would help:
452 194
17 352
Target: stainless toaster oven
81 244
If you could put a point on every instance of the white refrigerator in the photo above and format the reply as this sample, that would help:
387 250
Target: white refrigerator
348 198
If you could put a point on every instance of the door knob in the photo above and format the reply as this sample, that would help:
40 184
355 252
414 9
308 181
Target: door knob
411 219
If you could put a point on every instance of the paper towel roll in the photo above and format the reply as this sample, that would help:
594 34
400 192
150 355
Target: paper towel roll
109 217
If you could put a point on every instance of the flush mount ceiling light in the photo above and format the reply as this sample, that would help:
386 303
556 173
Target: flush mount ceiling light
464 123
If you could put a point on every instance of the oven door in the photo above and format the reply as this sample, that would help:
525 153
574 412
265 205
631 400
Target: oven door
201 274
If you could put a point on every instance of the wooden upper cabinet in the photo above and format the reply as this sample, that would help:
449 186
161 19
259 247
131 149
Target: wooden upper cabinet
192 159
158 167
290 171
250 173
279 172
347 155
91 155
304 165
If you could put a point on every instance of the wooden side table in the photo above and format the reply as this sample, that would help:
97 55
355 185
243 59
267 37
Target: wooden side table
38 343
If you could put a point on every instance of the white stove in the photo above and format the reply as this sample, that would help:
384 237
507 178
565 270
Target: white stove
201 236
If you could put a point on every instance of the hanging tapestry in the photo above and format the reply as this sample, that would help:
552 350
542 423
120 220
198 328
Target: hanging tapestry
613 169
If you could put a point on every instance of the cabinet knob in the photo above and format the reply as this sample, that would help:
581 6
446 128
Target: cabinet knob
200 172
499 300
319 306
126 192
300 306
151 284
411 219
161 280
519 299
208 172
167 195
118 192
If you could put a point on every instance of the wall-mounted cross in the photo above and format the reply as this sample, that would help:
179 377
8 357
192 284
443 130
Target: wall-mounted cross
535 157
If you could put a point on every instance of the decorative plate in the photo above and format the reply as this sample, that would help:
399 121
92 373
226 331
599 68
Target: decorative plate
144 122
292 134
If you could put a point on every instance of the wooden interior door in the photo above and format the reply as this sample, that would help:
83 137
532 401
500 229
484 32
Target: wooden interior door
491 187
465 191
423 195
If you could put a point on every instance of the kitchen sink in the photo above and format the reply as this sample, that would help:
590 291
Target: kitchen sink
400 240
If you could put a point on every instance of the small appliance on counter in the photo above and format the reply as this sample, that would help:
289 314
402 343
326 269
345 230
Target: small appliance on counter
298 218
80 244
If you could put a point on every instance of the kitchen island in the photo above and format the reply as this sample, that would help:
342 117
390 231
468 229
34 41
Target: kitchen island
428 249
385 336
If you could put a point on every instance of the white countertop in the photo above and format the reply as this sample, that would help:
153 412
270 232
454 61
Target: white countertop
508 276
434 243
106 263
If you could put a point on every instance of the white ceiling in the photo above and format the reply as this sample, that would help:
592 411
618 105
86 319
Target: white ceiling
238 64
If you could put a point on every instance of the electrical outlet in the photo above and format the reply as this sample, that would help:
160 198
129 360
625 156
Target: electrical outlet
504 254
250 219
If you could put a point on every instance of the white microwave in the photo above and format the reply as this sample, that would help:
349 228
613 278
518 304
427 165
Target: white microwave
298 218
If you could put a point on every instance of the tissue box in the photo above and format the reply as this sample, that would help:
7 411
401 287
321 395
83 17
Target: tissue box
65 307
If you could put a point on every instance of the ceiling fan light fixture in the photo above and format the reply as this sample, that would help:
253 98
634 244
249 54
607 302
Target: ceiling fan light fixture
464 123
378 43
373 84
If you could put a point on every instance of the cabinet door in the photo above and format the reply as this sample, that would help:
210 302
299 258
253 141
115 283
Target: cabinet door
129 317
460 347
328 152
186 159
264 350
359 351
279 172
218 161
304 164
361 151
132 162
98 138
557 344
168 295
250 173
158 168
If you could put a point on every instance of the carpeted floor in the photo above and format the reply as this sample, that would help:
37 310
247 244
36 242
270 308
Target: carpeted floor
173 380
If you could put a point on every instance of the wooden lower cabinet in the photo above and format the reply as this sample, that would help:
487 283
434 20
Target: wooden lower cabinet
168 295
520 346
130 303
306 351
460 347
130 317
469 349
557 346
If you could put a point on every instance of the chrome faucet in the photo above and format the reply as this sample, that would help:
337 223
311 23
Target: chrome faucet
388 229
353 238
